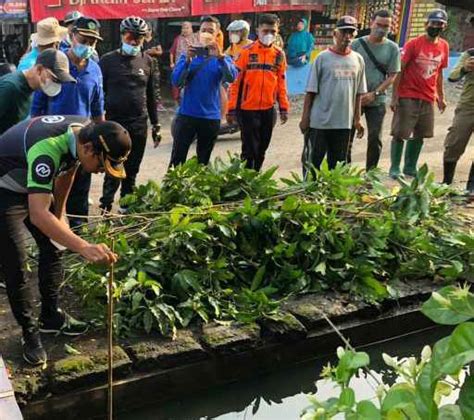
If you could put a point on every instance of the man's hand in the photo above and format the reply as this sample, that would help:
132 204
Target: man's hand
283 117
359 129
156 135
98 254
394 104
304 125
231 119
442 104
469 65
215 51
367 99
191 53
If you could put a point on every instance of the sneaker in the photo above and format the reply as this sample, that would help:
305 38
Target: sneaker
2 284
62 323
33 351
122 210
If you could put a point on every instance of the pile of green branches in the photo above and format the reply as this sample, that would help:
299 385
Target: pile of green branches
226 243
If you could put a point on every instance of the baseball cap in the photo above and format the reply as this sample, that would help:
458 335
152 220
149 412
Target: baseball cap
72 17
438 15
115 144
57 62
347 22
48 31
88 26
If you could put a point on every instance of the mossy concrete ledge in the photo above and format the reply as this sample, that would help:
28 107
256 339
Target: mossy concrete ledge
154 369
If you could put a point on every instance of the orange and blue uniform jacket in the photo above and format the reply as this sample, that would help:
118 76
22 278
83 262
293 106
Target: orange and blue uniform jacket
261 81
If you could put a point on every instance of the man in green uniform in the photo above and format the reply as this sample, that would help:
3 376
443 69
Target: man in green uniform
36 155
51 69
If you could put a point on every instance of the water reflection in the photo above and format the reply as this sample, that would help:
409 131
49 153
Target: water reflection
281 395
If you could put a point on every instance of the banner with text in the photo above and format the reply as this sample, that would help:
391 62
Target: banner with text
217 7
110 9
13 9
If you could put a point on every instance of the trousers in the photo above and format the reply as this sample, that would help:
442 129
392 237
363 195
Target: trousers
14 224
256 129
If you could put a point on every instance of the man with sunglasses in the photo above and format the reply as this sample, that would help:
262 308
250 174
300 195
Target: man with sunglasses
85 98
38 160
130 99
260 85
332 104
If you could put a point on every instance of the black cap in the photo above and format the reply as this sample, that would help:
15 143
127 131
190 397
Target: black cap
88 26
115 143
438 15
57 62
72 17
347 22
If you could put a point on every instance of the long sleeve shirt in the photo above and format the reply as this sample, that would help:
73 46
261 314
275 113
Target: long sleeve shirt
467 95
201 80
129 90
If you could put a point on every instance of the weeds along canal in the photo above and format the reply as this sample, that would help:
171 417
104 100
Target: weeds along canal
282 395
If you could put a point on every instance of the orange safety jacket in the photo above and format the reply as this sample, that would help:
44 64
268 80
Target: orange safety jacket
261 81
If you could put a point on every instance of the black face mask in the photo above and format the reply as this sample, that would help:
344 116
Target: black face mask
434 32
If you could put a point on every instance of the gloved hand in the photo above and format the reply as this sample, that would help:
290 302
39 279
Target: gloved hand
156 135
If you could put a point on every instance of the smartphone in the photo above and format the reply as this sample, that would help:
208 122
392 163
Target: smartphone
201 51
470 51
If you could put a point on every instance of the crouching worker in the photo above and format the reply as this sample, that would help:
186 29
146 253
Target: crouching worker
38 160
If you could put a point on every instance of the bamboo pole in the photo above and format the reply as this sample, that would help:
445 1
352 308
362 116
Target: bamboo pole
110 336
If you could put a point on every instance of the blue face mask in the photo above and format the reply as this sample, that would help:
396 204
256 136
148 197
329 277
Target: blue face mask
130 49
83 51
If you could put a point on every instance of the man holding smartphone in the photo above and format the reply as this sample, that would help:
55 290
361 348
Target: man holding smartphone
463 124
200 73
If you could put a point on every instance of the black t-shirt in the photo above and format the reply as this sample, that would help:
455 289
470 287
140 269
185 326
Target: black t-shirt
128 88
34 151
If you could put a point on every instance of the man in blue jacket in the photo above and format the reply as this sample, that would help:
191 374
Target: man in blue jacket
200 73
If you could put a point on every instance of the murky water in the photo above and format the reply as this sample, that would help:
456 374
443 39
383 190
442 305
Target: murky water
281 395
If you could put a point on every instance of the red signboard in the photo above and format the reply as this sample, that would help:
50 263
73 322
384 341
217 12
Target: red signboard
216 7
110 9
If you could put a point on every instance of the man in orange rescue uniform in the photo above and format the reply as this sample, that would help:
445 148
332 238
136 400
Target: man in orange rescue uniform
261 82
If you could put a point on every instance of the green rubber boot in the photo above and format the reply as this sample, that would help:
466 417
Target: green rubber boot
412 153
396 151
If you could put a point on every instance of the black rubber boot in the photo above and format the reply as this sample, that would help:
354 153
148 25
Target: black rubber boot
470 181
449 168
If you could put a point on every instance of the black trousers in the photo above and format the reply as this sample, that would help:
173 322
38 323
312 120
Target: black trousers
321 143
256 129
185 130
374 115
78 200
138 134
14 223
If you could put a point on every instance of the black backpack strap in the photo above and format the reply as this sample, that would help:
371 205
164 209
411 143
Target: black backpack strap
378 65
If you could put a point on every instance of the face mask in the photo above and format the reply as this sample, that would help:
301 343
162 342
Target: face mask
50 88
205 38
234 38
267 39
83 51
132 50
434 32
380 32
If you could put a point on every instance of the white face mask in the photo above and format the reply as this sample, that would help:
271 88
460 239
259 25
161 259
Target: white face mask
267 39
234 38
50 88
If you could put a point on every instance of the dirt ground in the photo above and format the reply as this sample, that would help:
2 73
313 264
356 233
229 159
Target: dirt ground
287 145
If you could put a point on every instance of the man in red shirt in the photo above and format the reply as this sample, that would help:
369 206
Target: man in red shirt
415 91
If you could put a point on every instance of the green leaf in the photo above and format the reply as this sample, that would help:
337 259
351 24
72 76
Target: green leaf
185 283
466 398
445 308
290 204
398 397
367 410
450 412
71 350
258 278
147 321
347 398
